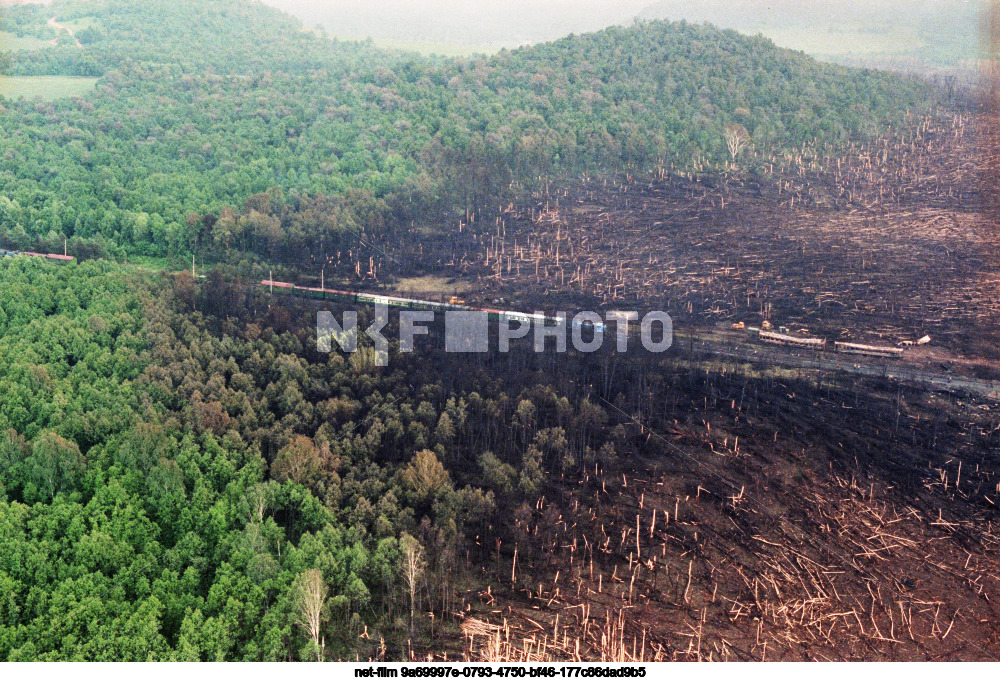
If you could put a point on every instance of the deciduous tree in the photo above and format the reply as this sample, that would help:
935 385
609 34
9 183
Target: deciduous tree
309 594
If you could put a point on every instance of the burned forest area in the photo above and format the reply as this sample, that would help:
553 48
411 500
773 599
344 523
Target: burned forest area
754 512
882 244
192 470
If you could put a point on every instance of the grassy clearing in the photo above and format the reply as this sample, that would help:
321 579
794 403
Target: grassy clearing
433 284
77 25
46 87
9 41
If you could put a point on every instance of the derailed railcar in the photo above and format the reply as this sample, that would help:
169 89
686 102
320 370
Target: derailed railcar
794 341
869 350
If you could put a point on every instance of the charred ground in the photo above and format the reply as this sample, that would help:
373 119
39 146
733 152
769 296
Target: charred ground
755 517
883 244
762 513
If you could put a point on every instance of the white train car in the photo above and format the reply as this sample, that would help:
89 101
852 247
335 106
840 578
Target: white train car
871 350
795 341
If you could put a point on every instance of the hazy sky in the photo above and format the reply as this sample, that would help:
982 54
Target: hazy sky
506 22
509 23
821 27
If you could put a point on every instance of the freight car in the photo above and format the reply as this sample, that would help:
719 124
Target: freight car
795 341
870 350
819 344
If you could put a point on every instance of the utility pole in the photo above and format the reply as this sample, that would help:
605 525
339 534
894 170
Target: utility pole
271 279
192 267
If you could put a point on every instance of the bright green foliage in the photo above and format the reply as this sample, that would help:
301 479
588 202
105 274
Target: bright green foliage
218 125
138 523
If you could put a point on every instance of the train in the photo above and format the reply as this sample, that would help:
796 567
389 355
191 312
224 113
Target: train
820 344
796 341
765 335
416 304
870 350
51 256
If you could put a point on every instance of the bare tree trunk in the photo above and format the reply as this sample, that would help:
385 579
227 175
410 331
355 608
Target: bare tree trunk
310 593
413 567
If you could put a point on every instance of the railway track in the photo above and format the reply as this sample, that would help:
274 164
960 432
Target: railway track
891 368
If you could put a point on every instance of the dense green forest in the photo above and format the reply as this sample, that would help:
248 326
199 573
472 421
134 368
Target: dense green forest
202 105
169 477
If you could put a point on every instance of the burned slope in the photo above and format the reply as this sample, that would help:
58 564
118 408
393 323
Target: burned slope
750 516
882 245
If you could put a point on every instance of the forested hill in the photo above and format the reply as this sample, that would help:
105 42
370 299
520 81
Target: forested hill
201 105
225 35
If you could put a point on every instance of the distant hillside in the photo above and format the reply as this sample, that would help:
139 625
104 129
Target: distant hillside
679 83
204 104
227 35
918 33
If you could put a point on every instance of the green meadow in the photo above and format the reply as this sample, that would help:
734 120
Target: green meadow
13 43
46 87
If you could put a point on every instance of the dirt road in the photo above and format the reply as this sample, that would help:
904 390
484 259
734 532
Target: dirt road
60 27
